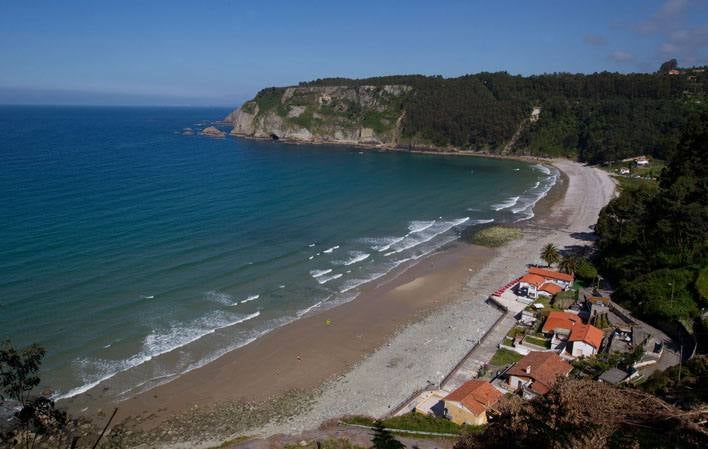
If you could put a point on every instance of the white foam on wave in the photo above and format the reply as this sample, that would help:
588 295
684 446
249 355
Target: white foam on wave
482 221
506 204
427 234
331 250
250 298
526 209
414 227
324 279
311 245
221 298
155 345
418 226
542 168
382 243
307 310
317 273
356 257
147 296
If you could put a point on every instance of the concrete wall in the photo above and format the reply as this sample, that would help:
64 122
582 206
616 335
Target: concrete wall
582 349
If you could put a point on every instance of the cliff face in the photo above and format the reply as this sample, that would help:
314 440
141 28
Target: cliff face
369 115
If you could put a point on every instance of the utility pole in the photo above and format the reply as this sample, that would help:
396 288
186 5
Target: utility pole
671 302
680 363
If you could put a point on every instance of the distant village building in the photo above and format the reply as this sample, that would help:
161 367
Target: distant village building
639 161
536 373
568 333
642 162
470 402
674 72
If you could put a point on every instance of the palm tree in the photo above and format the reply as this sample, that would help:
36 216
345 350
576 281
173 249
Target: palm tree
568 264
549 254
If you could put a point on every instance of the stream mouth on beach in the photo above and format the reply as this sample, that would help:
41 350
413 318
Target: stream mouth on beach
137 254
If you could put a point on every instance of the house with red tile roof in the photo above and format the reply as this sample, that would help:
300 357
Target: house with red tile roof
539 281
469 403
585 340
568 333
537 372
563 279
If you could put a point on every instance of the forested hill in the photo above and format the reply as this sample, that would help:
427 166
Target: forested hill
598 117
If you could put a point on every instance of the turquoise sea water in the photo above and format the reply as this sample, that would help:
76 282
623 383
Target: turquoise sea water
135 253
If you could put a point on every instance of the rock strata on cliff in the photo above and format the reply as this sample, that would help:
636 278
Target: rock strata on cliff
368 115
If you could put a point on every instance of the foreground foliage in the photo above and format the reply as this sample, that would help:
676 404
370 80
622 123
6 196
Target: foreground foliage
585 414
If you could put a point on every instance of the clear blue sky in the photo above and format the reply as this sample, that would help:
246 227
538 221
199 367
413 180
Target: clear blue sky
223 51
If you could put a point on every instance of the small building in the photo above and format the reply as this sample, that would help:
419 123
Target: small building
568 333
614 376
641 161
431 403
597 305
624 171
528 317
584 340
529 285
469 403
536 373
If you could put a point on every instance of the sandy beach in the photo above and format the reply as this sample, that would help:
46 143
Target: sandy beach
402 333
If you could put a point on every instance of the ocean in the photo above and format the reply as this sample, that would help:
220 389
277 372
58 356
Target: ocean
134 253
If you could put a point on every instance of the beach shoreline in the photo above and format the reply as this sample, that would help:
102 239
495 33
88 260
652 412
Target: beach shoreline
340 353
430 151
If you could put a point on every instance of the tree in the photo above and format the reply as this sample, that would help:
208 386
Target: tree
550 254
383 439
19 371
38 422
584 414
569 264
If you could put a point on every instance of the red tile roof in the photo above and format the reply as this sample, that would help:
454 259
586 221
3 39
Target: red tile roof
560 320
587 333
550 274
532 279
475 395
543 368
551 288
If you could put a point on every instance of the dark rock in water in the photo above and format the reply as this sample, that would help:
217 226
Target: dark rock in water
212 132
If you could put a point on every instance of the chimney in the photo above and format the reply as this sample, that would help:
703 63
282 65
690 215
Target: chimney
528 369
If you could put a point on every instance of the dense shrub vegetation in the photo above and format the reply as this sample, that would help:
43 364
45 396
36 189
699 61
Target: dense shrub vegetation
653 241
598 117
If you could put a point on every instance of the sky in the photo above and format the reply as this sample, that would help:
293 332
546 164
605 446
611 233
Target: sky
221 52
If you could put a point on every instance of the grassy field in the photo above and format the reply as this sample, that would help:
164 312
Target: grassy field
339 443
504 357
416 422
